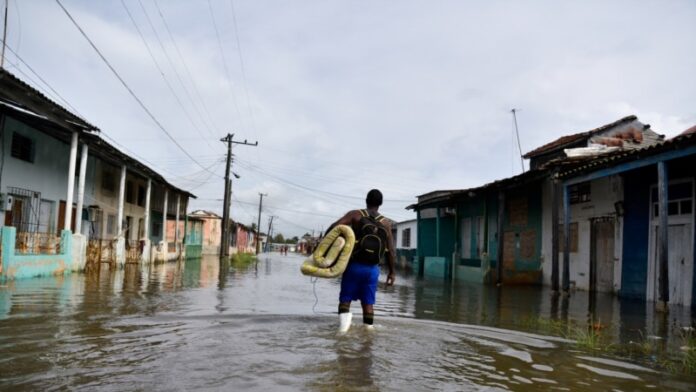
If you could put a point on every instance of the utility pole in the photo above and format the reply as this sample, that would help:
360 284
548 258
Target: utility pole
4 37
517 132
258 224
224 244
270 228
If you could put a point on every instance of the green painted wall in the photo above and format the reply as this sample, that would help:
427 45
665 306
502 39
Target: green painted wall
16 266
426 233
525 269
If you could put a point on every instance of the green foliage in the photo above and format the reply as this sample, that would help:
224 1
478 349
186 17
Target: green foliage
241 259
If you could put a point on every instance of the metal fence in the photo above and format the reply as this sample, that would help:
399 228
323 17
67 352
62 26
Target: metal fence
100 251
35 243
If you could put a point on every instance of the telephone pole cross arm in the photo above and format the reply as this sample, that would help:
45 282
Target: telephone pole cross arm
224 241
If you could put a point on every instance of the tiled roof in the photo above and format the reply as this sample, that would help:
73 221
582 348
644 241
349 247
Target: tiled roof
568 140
690 130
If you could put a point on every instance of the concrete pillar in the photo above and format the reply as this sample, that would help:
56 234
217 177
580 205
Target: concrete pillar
164 246
121 200
437 232
555 193
71 182
164 216
146 232
663 232
566 240
501 235
176 229
147 244
81 189
176 226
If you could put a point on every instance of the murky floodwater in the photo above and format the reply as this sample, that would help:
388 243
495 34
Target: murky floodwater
191 325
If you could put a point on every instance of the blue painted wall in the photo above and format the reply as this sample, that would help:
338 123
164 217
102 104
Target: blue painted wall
636 231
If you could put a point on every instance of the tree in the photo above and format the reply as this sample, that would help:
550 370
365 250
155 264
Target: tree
292 240
279 239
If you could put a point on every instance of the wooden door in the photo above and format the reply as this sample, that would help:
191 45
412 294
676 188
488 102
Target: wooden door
680 264
602 256
61 217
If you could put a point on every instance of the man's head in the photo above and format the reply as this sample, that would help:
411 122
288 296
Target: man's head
374 198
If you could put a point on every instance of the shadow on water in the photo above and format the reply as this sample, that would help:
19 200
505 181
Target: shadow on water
203 323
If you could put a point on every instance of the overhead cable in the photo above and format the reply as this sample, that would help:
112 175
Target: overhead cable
123 82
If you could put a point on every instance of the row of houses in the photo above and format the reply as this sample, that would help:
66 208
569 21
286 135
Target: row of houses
606 210
70 200
205 231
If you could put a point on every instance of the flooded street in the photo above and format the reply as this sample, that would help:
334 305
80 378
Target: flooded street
191 325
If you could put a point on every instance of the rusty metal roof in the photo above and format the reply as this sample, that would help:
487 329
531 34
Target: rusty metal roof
579 167
690 130
569 140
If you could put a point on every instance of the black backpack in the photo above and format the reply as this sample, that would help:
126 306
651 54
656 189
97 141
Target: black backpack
371 239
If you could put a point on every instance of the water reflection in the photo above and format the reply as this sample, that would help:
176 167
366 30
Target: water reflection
201 323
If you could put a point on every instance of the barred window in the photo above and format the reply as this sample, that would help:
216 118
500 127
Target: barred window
406 238
22 147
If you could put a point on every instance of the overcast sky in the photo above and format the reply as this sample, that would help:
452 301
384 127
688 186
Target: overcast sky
345 96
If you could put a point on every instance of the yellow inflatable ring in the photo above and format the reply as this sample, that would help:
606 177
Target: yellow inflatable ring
331 257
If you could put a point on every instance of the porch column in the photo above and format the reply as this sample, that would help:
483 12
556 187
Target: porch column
164 218
146 232
501 245
176 228
566 240
554 235
663 251
121 199
437 232
71 182
419 244
81 189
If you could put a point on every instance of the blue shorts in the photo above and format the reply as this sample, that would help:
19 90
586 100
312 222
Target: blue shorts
359 282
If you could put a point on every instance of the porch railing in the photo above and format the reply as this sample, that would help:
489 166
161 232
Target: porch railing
36 243
134 249
101 251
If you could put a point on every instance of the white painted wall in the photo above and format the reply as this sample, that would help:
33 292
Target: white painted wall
48 173
605 192
108 201
413 225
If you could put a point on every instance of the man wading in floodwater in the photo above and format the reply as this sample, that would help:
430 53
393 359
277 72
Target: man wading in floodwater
372 239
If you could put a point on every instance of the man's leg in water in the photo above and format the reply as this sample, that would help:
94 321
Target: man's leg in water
368 314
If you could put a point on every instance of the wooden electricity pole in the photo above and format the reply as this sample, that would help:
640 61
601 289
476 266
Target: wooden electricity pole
224 244
258 224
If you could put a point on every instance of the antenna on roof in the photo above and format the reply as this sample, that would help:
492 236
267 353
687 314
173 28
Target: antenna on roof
517 132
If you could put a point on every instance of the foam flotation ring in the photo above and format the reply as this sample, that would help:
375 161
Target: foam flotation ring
331 257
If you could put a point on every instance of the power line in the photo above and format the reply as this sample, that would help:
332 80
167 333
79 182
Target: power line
142 105
183 61
224 62
259 170
166 81
241 64
176 72
64 101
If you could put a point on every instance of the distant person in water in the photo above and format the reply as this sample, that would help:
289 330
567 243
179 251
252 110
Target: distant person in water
372 240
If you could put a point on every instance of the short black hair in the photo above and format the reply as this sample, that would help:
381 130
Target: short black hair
374 198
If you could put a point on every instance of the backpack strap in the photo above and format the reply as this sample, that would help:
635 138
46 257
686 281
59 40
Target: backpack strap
364 213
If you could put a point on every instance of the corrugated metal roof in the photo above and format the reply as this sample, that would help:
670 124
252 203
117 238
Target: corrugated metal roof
589 164
30 105
568 140
32 99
